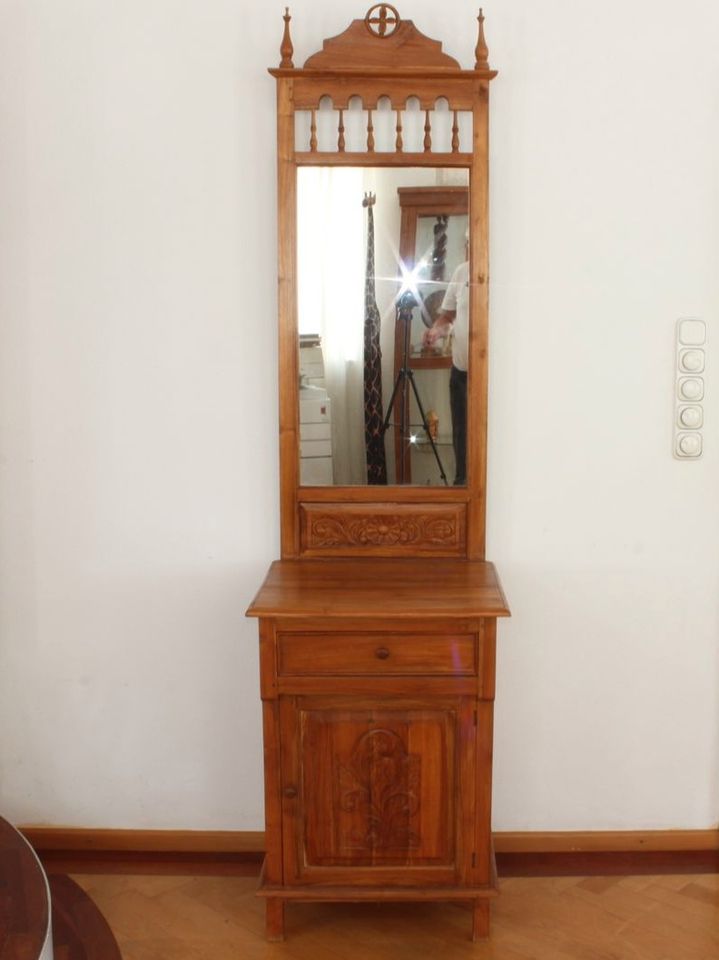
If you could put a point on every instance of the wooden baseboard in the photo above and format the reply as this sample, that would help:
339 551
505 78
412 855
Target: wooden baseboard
207 842
71 850
204 842
540 853
607 841
607 853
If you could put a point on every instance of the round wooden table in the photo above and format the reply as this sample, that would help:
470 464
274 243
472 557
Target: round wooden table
25 927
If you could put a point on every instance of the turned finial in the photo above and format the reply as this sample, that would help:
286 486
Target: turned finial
286 50
481 52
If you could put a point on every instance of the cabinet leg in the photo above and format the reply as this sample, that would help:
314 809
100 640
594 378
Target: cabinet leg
275 919
480 919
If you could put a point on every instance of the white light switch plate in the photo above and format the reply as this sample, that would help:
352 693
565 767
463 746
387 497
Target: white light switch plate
690 362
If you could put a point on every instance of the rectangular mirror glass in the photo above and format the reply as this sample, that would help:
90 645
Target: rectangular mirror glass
383 314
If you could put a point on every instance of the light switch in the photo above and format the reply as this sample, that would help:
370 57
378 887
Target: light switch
691 417
692 333
690 388
689 444
690 361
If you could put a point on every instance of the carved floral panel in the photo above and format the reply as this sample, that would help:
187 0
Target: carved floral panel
381 781
377 787
381 530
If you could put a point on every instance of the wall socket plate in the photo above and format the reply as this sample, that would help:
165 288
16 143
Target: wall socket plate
689 366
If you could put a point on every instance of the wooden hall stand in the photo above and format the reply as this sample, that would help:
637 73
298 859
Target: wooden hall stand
378 687
378 625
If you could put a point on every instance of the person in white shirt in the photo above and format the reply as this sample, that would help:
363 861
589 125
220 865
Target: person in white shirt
453 317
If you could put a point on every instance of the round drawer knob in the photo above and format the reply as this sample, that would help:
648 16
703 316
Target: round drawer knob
290 792
381 653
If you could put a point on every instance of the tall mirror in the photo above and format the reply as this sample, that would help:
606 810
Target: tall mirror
382 159
383 323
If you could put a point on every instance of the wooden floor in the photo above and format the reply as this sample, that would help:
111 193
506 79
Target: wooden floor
561 918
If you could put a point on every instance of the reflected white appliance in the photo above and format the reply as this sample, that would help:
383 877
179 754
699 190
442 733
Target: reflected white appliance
315 420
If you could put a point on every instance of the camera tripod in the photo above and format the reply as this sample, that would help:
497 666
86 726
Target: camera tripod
405 375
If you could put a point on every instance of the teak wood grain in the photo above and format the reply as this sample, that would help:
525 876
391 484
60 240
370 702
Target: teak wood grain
378 780
389 530
399 66
378 654
378 495
385 588
356 48
459 89
287 314
396 704
377 627
392 686
380 159
372 792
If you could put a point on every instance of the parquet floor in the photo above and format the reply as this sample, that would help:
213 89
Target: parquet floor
565 918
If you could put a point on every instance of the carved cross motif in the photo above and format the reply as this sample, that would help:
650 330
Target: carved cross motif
385 22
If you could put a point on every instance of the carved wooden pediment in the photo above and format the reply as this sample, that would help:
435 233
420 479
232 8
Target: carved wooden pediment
381 41
358 47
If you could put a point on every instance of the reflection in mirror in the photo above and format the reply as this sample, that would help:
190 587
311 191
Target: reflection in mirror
383 322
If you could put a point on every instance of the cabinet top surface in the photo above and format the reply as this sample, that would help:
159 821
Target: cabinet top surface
388 588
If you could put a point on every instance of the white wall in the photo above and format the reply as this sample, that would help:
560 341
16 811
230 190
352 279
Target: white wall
138 405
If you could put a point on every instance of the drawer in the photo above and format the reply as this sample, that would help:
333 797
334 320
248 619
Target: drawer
376 654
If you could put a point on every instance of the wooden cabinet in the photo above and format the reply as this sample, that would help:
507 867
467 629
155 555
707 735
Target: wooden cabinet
377 627
378 731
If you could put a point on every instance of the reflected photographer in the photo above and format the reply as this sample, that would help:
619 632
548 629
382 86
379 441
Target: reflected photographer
453 318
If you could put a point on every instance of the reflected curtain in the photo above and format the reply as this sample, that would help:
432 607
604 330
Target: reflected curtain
373 415
330 281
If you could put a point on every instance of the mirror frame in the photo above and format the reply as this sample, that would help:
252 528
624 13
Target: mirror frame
376 57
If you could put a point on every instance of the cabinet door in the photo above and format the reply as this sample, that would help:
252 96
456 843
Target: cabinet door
377 791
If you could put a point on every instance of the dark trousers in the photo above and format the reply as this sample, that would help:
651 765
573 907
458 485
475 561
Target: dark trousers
458 407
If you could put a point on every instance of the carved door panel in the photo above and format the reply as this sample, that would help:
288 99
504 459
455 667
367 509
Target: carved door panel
377 792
